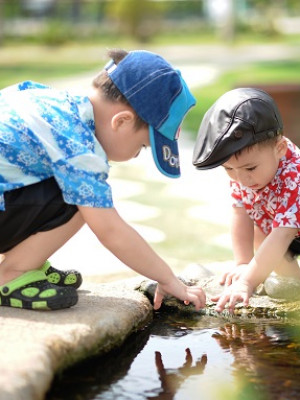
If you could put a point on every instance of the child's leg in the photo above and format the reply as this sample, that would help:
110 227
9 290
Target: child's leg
33 251
288 266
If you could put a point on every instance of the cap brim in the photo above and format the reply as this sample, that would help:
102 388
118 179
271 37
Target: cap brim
165 153
211 165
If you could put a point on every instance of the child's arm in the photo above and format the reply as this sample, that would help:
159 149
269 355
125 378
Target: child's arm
242 235
266 259
127 245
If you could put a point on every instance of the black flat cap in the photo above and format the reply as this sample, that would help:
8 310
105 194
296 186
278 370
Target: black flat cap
239 118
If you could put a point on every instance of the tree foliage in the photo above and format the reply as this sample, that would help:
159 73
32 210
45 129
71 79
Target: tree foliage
138 18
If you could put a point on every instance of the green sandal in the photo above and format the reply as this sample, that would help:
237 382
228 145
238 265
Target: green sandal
69 278
33 291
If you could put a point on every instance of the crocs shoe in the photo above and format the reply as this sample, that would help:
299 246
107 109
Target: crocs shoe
69 278
32 291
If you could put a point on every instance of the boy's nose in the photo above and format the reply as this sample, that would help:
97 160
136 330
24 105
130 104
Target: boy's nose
244 178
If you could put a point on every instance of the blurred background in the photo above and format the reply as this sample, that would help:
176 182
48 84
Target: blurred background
250 41
217 44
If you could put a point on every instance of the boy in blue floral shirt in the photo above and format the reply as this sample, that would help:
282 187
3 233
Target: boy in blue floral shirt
54 153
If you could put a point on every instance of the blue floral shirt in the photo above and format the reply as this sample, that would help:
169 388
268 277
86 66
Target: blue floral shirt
50 133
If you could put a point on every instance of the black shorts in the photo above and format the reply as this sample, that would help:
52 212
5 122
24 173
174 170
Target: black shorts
31 209
295 246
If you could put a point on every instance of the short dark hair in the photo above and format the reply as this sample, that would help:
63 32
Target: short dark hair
264 143
110 91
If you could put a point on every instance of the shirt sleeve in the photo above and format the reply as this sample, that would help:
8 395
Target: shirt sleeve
78 162
80 186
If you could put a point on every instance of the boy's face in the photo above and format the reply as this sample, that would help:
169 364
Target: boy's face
128 144
256 167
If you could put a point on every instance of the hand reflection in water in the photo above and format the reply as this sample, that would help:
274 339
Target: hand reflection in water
171 380
244 344
262 358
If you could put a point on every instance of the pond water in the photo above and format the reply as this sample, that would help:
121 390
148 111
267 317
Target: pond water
199 357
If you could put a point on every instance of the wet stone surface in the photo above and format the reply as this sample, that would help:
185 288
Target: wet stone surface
284 303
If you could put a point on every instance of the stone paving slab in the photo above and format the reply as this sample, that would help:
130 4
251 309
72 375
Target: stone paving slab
35 344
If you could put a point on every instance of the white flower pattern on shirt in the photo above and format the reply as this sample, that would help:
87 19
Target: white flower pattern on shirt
278 204
50 133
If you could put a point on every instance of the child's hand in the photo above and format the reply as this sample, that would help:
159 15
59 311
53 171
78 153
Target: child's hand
188 294
240 290
232 275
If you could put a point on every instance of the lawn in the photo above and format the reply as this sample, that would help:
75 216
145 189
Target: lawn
275 72
42 63
187 239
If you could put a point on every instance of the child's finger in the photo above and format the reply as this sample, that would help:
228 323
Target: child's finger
231 304
246 300
222 302
215 298
228 280
223 279
158 298
235 298
197 299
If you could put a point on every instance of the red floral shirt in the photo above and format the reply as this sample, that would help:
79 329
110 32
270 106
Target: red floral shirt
278 204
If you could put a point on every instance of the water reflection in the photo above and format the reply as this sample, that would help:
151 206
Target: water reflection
266 358
179 358
171 379
87 379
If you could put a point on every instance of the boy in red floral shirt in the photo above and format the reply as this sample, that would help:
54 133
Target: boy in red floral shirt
243 132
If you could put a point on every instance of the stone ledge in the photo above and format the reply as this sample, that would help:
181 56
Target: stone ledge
207 276
35 345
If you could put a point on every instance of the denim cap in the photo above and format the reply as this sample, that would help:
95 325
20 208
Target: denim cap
159 95
238 119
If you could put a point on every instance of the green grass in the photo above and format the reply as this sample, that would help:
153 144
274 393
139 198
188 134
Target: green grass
25 60
41 72
207 36
263 73
42 63
188 240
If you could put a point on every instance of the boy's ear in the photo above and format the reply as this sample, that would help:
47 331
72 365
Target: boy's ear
122 119
281 147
